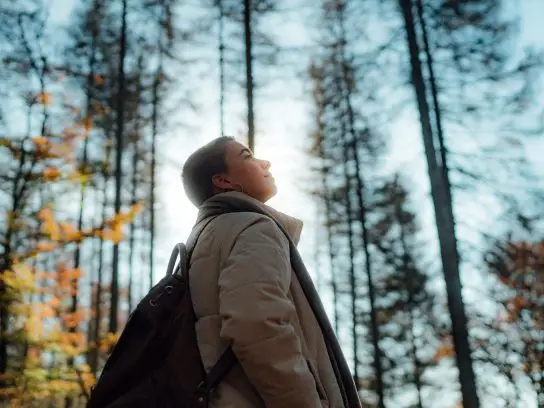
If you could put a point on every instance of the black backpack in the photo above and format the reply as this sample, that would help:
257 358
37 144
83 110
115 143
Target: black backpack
156 362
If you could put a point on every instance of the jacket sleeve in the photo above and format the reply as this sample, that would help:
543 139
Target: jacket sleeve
256 314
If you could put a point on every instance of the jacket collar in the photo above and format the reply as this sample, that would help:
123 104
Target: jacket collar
236 201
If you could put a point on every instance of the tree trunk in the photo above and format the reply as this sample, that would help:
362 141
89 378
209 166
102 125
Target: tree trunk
154 135
134 186
444 221
330 255
349 218
375 332
93 360
408 267
249 74
351 254
221 68
374 328
118 166
77 256
133 200
436 104
319 92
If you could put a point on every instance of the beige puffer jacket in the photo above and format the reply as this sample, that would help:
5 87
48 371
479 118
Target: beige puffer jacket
245 294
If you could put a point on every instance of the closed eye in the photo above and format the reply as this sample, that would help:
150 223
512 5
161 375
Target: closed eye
246 153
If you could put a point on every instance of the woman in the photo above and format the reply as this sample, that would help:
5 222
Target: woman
245 293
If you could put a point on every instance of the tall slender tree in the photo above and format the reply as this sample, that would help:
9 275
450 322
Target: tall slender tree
25 59
244 50
444 218
405 301
119 144
248 40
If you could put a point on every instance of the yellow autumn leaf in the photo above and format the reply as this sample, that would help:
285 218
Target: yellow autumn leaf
54 302
5 142
44 246
34 328
51 173
44 98
40 141
112 235
76 273
20 278
72 320
88 380
443 351
135 209
49 225
46 311
87 124
69 232
9 279
79 177
32 358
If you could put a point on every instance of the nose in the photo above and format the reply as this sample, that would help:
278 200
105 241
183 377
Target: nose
266 164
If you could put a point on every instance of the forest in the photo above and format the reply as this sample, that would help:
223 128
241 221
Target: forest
434 282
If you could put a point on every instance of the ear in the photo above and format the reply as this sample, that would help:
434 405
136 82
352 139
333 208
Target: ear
221 182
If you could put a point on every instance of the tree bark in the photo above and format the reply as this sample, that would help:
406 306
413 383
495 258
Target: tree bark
443 214
118 165
221 68
249 74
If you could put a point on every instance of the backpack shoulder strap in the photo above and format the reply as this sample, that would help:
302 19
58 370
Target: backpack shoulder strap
195 234
217 373
184 251
227 359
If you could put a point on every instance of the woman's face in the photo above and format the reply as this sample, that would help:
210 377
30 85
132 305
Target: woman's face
245 173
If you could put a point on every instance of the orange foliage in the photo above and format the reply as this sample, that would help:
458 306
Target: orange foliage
87 124
51 173
40 141
72 320
44 98
49 225
69 232
445 350
45 246
41 301
107 343
98 80
80 177
113 230
519 266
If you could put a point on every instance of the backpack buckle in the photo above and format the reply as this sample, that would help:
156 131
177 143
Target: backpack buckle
202 393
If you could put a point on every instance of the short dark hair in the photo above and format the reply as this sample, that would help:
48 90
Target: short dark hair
201 166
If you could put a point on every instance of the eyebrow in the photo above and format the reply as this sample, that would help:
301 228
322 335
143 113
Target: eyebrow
244 150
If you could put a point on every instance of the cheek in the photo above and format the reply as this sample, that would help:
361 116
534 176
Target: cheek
254 175
253 170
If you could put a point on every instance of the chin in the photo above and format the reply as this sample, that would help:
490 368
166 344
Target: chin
266 195
271 194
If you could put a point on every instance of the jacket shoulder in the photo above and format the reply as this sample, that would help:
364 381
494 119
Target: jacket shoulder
230 226
224 232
